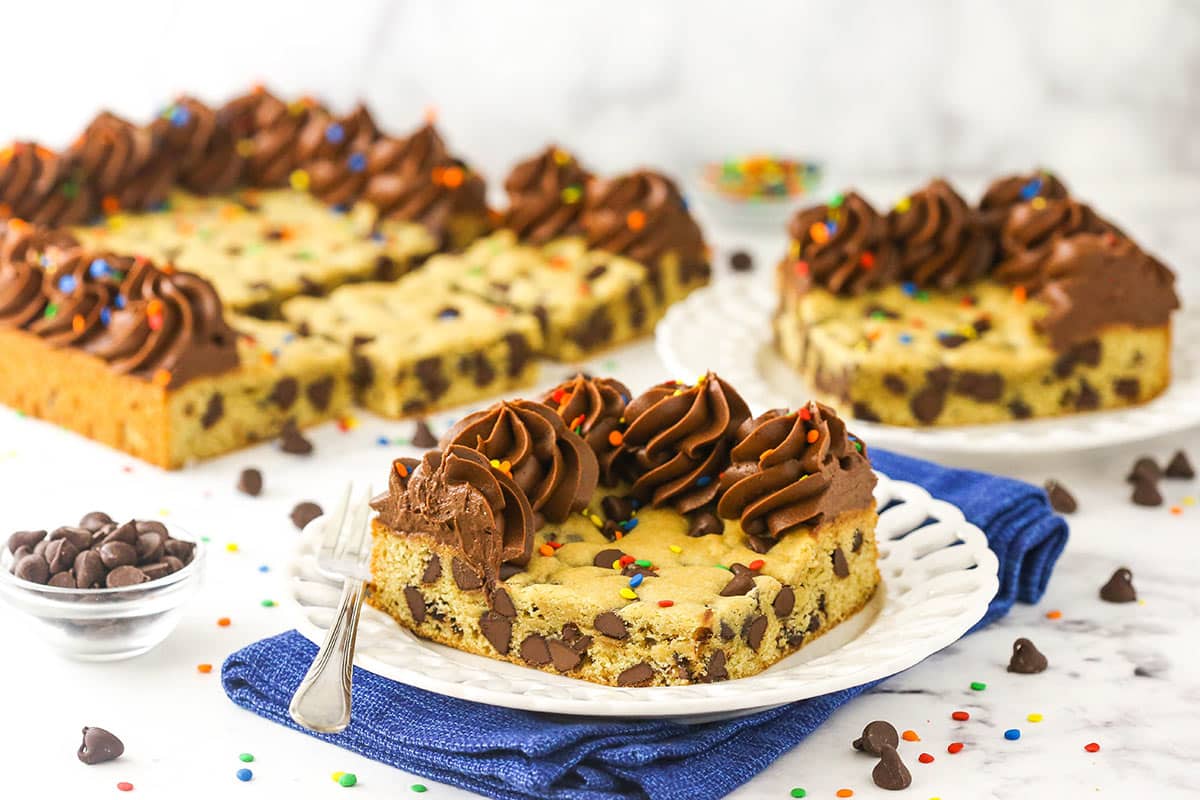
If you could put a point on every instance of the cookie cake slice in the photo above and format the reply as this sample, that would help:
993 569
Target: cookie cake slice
666 539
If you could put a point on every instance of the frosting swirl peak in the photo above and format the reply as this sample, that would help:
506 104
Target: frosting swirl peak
642 215
202 146
545 195
40 186
1031 231
1012 190
125 164
595 409
842 246
938 239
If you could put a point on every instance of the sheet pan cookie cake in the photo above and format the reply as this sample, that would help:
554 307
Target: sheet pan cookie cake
665 539
938 313
310 232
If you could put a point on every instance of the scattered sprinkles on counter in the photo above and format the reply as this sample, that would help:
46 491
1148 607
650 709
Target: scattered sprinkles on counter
1092 747
910 736
960 716
1012 734
977 686
244 775
125 786
954 747
204 669
246 757
925 758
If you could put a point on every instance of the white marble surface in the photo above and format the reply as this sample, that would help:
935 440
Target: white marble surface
1122 676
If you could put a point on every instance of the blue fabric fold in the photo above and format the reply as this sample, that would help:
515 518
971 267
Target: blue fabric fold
502 753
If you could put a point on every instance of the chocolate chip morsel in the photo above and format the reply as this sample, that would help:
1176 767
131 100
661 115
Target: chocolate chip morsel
126 575
753 630
305 513
875 735
535 651
637 675
497 630
320 392
1180 467
741 583
250 482
32 568
416 603
605 558
423 435
611 625
841 567
213 411
741 261
1026 659
95 520
1119 588
890 773
433 570
1145 493
1145 468
99 746
784 602
705 523
1060 499
291 440
27 539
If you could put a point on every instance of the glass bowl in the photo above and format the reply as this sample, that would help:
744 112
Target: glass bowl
105 624
757 192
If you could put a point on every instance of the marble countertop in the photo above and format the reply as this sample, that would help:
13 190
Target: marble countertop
1122 676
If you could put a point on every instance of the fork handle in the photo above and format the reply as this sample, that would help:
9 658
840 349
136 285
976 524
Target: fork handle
322 701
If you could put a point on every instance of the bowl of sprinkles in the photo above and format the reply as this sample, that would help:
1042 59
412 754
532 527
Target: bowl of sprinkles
758 190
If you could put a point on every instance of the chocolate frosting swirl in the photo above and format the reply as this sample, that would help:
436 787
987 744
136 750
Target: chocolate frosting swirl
202 146
642 216
677 441
842 247
792 470
460 500
124 163
1091 281
1012 190
22 295
1031 231
595 409
414 179
545 196
938 239
42 187
334 153
271 129
553 466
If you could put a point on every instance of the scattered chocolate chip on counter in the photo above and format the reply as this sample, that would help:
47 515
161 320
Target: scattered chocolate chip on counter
250 482
890 773
98 553
423 436
1180 466
1119 588
875 736
305 513
1026 658
741 261
291 440
99 746
1146 493
1061 500
1144 469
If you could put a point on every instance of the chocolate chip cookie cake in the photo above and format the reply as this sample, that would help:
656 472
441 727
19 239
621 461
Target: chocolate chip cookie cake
938 313
665 539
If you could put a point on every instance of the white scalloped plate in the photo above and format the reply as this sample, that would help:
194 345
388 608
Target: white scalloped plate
744 355
938 578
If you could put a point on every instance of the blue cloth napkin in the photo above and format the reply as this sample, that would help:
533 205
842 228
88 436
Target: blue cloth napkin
502 753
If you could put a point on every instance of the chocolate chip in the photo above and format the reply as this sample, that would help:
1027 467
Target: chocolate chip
875 735
814 623
596 272
497 630
890 773
741 261
429 373
784 602
117 554
753 630
1119 588
857 542
1060 499
984 387
840 567
80 537
1145 493
895 384
160 569
1020 409
535 650
860 410
715 670
605 558
423 436
877 311
149 547
617 509
291 440
149 526
62 580
982 325
926 405
1180 467
478 365
1026 659
508 570
952 340
741 583
1145 468
95 520
99 746
416 603
611 625
726 631
704 523
89 569
563 657
596 330
433 570
180 549
1127 388
32 568
173 563
60 554
1088 398
519 353
213 411
502 603
25 539
284 392
362 372
320 392
304 513
125 575
637 675
250 482
465 576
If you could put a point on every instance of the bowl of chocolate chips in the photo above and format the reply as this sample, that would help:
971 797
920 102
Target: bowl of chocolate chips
102 590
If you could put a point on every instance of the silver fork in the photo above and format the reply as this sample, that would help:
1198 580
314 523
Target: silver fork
322 701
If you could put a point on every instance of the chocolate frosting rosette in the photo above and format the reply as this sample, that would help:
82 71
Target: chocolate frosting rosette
1031 231
938 238
43 187
677 441
595 409
841 246
333 151
529 442
642 215
792 470
1012 190
545 196
126 165
202 146
267 131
